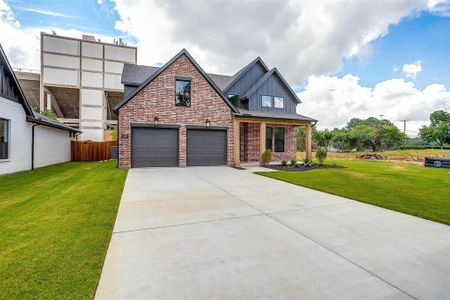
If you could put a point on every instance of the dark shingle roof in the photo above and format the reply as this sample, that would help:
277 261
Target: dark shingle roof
136 74
164 67
222 81
274 115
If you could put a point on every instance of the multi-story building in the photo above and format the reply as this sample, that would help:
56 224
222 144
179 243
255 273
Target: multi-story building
80 80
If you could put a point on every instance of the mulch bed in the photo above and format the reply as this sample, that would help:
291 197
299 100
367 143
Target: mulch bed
302 168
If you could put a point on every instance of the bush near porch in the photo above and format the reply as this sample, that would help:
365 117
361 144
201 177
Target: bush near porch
55 227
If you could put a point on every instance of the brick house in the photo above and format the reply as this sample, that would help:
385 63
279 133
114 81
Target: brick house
178 115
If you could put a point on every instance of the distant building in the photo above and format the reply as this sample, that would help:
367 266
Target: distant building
79 80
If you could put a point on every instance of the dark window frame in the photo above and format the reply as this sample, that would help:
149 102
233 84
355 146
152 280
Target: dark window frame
189 102
6 145
269 137
271 101
282 140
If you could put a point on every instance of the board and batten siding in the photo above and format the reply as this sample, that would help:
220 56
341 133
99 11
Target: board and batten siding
273 86
249 79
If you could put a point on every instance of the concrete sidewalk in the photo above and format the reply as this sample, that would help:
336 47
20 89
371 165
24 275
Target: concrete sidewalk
217 232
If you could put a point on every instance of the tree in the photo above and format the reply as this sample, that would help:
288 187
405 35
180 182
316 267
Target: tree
323 138
371 133
439 129
300 136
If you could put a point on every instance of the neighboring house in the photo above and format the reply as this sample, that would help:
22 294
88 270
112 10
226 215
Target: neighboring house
27 139
178 115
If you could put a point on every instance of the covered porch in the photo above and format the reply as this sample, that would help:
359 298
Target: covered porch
253 135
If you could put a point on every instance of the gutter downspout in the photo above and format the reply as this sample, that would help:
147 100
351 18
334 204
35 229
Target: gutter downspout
32 146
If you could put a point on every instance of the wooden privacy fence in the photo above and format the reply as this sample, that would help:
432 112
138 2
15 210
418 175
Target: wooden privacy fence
91 151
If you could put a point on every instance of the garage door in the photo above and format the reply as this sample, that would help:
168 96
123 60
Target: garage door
206 147
154 147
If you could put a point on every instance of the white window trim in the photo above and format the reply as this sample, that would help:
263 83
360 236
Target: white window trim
9 141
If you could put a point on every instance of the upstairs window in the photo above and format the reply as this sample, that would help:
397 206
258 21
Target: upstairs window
278 102
182 92
266 101
279 139
4 138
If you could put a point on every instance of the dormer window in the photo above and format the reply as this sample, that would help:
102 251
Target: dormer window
278 102
266 101
183 92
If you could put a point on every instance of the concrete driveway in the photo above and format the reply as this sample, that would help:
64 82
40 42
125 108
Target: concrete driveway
222 233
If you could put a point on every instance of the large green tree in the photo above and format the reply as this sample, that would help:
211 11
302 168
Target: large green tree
439 129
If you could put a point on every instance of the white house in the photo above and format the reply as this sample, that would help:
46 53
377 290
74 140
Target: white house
27 140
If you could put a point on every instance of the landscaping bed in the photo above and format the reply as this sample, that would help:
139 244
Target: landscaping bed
302 167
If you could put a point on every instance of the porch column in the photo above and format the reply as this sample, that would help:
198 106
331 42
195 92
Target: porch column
236 142
262 138
308 142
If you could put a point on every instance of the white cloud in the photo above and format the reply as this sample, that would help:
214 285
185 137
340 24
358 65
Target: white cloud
411 70
301 38
44 12
334 100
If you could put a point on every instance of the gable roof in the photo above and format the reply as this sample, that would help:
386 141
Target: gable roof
31 116
164 67
263 79
10 72
244 70
135 75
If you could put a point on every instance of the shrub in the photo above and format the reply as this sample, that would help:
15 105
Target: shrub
266 157
284 162
293 162
321 154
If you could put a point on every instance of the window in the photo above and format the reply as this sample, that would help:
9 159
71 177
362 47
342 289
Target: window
4 138
278 102
182 92
279 139
266 101
269 138
234 99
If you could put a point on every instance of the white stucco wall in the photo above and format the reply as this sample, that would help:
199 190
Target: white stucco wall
20 138
51 146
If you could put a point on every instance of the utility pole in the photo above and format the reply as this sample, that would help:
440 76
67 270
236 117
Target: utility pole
404 126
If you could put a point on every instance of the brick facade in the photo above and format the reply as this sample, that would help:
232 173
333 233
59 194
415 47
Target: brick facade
250 143
157 99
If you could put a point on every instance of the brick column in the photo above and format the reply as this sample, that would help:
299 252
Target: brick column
182 147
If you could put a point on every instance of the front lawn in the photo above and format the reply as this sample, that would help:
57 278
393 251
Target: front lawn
404 187
55 226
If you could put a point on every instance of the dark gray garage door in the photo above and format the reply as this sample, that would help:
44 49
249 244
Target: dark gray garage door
154 147
206 147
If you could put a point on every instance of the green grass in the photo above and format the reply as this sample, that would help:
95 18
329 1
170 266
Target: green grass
395 154
404 187
55 227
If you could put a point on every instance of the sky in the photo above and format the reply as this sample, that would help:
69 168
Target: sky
344 59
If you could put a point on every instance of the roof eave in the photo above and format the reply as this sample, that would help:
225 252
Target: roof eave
49 124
